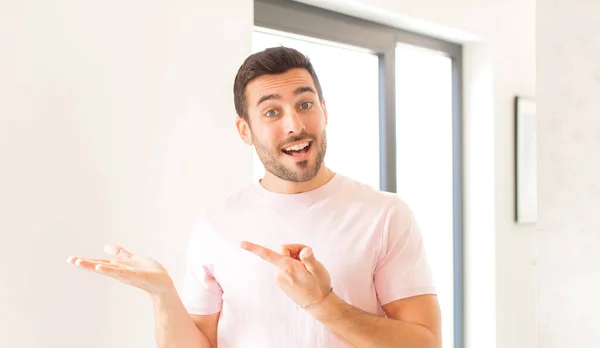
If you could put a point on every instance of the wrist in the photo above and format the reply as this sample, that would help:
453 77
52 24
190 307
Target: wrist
164 294
327 293
329 309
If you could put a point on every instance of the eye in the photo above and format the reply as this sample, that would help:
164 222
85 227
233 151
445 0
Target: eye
271 113
306 105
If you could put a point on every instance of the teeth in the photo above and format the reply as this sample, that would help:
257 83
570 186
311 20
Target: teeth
296 147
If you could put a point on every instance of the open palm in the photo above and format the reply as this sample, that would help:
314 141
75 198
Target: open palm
139 271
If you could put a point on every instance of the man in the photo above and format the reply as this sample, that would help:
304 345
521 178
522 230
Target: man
303 258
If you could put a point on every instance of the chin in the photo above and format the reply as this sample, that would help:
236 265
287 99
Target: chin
307 173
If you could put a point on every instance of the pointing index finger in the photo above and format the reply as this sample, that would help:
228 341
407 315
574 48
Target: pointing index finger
264 253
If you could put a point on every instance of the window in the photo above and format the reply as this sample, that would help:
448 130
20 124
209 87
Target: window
408 116
424 160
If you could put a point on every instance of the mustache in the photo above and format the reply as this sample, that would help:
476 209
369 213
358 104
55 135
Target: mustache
297 137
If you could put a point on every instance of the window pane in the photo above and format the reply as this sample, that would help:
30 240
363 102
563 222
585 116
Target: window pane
424 160
349 78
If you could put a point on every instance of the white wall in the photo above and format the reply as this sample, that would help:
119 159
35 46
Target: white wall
568 63
499 41
116 125
110 117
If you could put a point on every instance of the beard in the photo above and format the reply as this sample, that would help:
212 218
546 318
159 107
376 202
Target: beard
300 171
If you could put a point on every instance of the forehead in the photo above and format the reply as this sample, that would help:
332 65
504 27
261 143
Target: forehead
282 84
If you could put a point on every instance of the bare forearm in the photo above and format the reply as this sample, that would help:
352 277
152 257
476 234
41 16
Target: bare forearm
174 327
361 329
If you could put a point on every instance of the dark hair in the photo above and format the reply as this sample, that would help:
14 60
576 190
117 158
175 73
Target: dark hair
274 60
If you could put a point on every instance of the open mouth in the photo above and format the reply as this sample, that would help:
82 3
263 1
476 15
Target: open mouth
298 150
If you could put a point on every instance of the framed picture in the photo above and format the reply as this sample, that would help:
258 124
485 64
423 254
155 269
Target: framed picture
525 160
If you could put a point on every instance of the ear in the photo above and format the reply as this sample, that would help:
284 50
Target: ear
324 107
244 130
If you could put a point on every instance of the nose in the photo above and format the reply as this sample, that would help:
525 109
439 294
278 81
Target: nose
294 123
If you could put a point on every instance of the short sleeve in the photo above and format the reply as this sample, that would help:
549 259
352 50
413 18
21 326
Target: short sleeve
402 269
201 293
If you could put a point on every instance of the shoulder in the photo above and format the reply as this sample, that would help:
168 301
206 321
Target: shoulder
225 206
210 221
388 212
387 202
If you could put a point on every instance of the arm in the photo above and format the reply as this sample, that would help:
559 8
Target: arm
402 279
175 328
190 318
405 288
412 322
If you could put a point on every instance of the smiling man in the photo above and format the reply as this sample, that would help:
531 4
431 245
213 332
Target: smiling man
305 257
332 262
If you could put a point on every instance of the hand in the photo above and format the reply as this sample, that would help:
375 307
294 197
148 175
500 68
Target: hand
301 276
142 272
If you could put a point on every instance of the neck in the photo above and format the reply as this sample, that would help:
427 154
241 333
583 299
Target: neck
278 185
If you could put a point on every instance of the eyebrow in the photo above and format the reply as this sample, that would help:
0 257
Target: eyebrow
274 96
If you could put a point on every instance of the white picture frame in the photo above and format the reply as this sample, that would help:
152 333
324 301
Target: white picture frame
525 111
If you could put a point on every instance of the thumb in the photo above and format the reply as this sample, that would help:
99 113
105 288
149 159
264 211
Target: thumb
118 251
310 262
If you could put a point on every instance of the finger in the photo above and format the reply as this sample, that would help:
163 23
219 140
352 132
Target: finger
120 270
91 263
117 250
87 263
74 260
311 263
293 250
283 251
264 253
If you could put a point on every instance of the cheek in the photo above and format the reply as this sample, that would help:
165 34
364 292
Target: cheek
318 117
267 137
316 124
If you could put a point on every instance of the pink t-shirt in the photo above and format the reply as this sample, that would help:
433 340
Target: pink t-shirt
367 239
